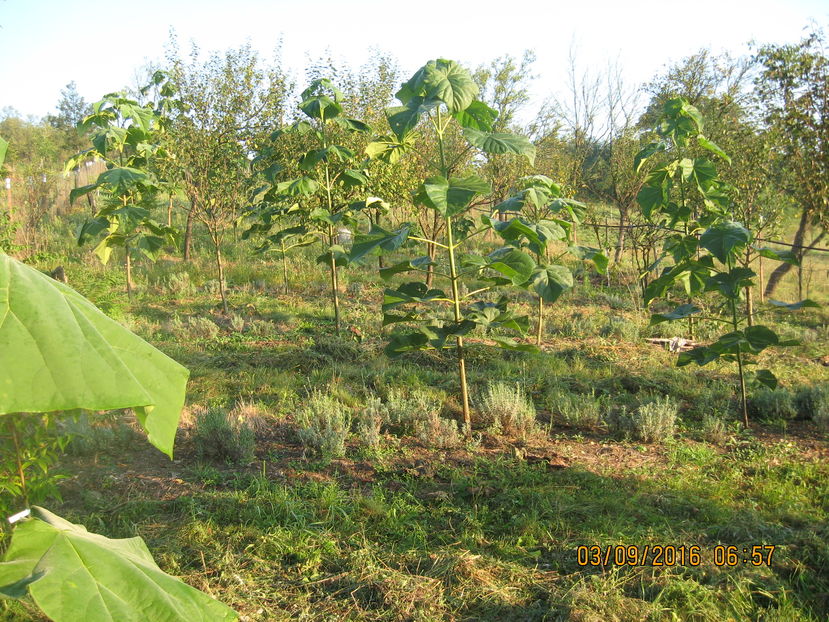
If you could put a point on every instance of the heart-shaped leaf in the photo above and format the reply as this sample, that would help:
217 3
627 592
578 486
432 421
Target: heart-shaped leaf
61 353
497 143
725 240
551 281
72 574
681 312
450 83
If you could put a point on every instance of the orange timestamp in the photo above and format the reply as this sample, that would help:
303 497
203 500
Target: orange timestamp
674 555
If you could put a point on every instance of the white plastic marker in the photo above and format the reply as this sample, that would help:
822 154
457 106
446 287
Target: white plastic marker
19 516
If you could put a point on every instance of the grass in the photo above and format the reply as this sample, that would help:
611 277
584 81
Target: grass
411 522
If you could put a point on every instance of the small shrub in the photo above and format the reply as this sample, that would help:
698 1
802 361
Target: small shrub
407 408
337 349
621 328
202 328
714 429
576 410
261 328
237 323
221 437
177 284
211 286
253 415
813 403
652 422
192 328
323 425
771 404
506 407
436 431
370 422
105 434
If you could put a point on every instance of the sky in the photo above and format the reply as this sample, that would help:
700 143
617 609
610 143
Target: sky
102 44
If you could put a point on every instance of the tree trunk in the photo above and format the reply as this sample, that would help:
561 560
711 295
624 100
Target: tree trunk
170 211
620 246
431 250
334 282
188 234
783 269
220 265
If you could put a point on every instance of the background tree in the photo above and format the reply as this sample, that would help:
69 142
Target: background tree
793 88
72 110
505 87
228 104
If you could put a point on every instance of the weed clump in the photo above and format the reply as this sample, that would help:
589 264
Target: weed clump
193 328
417 412
507 408
772 404
370 422
237 323
104 435
221 437
813 403
177 284
584 411
714 429
407 408
323 425
652 422
436 431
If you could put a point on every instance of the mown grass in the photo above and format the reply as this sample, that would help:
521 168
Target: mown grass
487 530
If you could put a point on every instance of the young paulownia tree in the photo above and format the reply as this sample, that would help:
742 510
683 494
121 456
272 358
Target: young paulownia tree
127 136
706 254
439 102
327 194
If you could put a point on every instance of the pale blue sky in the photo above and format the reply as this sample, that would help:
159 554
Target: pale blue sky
99 44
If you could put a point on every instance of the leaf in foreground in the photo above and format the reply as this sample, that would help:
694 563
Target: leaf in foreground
75 575
59 352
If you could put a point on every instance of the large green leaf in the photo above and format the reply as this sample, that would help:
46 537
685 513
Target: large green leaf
59 352
122 179
81 191
712 147
725 240
551 281
787 256
730 283
595 255
320 107
651 198
477 116
451 197
414 291
387 149
378 240
648 151
498 142
75 575
447 81
403 119
681 312
794 306
514 264
4 145
418 263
